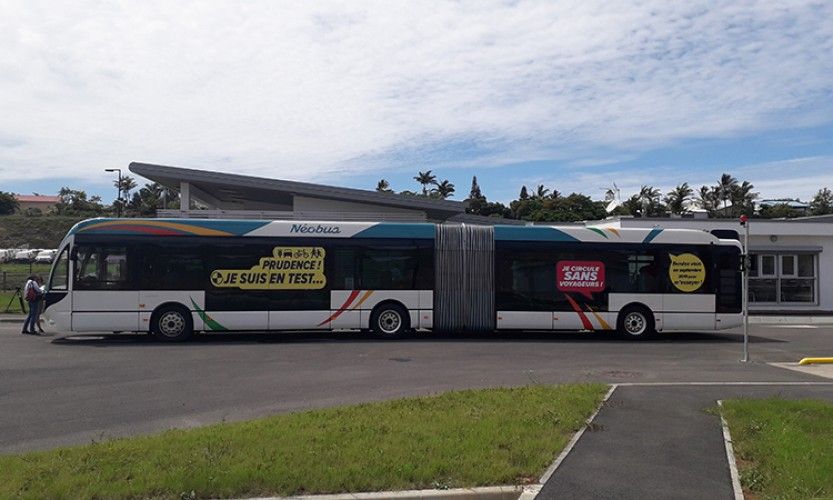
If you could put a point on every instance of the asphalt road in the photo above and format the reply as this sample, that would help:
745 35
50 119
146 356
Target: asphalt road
58 391
659 442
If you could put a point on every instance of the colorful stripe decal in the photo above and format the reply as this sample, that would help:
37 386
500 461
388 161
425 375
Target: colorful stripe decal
614 231
601 320
169 227
208 320
531 233
152 227
651 235
584 321
350 299
598 231
361 300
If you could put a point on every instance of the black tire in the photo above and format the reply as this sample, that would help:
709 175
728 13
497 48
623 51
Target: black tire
389 320
172 324
636 322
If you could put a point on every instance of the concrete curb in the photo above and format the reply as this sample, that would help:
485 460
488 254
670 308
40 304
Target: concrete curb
730 456
13 320
482 493
790 320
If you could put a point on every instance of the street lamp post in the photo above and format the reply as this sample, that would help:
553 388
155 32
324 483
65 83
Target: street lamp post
118 200
744 221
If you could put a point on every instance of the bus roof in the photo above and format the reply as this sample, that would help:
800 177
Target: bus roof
337 229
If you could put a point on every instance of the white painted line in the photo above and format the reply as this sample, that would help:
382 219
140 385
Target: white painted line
686 384
790 326
566 451
730 456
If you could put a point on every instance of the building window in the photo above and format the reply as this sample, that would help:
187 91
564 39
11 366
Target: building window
785 278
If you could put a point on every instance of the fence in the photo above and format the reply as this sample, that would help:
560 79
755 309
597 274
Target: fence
13 276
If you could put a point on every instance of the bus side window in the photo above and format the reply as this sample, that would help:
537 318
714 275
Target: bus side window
343 274
101 268
643 273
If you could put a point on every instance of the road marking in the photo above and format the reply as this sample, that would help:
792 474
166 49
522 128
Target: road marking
730 455
566 451
789 326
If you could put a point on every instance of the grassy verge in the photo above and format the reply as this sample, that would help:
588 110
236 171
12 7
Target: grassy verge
466 438
784 448
4 301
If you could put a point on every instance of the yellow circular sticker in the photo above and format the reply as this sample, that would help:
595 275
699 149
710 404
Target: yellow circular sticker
687 272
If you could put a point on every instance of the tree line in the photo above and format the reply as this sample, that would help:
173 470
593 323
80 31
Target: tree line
727 198
133 202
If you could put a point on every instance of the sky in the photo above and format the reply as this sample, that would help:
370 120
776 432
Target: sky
575 95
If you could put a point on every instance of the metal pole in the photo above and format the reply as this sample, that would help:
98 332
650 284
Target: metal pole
746 263
119 209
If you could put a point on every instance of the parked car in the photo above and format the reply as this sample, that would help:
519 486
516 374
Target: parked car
6 254
26 256
45 256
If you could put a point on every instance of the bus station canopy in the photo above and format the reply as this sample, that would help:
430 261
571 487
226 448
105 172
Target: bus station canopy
229 194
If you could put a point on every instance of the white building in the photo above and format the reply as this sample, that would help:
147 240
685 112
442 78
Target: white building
792 259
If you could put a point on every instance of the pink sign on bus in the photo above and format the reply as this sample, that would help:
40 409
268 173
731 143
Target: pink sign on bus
582 276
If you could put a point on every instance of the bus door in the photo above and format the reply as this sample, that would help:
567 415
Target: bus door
58 299
104 297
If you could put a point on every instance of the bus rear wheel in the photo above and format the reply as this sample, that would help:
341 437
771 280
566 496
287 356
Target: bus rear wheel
389 321
172 324
635 322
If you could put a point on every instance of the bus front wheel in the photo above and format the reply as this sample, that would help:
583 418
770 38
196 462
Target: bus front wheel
635 322
389 320
172 324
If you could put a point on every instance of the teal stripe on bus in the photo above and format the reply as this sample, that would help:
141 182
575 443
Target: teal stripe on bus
651 235
394 230
531 233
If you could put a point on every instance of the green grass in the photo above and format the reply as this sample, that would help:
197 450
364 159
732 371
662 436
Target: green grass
38 232
4 301
17 268
784 448
466 438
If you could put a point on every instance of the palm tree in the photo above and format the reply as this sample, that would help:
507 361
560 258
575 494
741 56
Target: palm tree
709 198
725 187
444 189
125 184
170 197
541 192
677 197
383 186
425 178
743 198
649 197
822 203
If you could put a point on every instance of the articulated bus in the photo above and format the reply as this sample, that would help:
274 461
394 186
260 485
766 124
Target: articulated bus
175 277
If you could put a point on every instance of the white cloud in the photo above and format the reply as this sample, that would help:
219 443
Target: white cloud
298 89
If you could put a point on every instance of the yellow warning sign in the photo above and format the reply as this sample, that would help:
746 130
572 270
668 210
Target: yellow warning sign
288 268
687 272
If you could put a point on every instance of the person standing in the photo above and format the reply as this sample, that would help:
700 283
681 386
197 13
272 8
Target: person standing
32 293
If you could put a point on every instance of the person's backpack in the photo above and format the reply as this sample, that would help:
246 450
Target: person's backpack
31 294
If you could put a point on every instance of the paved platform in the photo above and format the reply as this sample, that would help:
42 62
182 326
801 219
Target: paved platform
819 370
659 442
77 389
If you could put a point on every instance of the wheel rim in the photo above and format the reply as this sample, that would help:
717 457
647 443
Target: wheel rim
172 324
635 323
389 321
